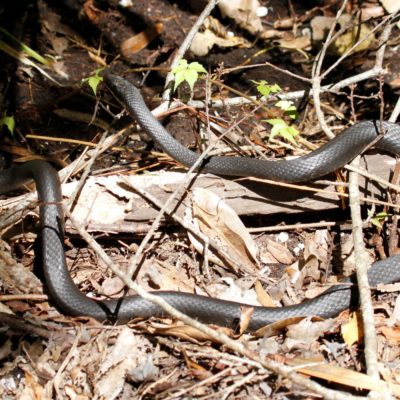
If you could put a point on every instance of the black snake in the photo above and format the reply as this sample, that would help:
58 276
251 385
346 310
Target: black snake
326 159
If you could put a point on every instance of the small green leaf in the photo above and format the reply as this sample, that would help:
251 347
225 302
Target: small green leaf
288 107
187 72
196 66
182 65
284 104
191 78
265 89
179 78
378 218
9 122
94 80
281 128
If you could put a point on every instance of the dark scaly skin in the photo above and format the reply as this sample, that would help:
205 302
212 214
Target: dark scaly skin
70 300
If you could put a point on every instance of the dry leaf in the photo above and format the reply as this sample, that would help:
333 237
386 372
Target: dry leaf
309 329
262 296
391 6
320 27
215 34
245 317
197 370
395 316
157 274
352 332
140 41
300 42
219 222
341 375
128 357
280 252
244 12
189 333
392 334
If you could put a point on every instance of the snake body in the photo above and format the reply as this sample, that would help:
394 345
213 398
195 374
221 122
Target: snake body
329 157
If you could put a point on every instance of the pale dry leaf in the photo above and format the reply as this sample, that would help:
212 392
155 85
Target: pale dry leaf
138 42
219 222
395 316
347 255
317 244
97 203
262 296
352 331
203 42
244 12
129 356
308 331
392 334
186 332
156 274
391 6
344 376
245 317
14 276
300 42
280 252
320 26
231 291
215 34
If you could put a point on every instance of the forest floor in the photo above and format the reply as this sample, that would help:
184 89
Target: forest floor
325 65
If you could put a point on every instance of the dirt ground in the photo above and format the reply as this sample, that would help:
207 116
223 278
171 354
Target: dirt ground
49 111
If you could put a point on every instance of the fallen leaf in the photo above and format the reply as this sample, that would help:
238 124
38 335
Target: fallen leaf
395 316
140 41
262 296
344 376
320 26
392 334
219 222
391 6
244 12
129 356
215 34
186 332
353 332
306 332
280 252
245 317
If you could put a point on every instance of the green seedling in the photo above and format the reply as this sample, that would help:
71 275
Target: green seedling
189 73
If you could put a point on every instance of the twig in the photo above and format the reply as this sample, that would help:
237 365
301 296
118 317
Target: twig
396 111
361 261
375 178
21 325
278 228
317 77
298 94
184 47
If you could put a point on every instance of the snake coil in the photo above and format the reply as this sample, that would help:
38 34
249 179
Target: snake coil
326 159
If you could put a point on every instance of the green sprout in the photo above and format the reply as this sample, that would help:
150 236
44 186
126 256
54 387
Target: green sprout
378 218
189 73
8 121
281 128
265 89
94 80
